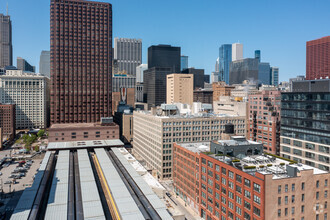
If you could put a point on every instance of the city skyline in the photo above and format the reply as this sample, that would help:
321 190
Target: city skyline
285 47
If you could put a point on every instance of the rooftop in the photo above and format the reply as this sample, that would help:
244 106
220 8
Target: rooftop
198 115
78 125
236 141
84 144
199 147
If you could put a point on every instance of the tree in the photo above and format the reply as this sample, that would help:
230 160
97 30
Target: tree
36 148
41 133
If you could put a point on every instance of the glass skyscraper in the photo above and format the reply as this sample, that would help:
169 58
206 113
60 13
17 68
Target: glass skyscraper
225 57
184 62
274 76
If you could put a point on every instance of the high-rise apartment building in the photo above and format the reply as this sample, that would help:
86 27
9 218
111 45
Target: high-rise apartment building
225 56
264 119
165 56
24 65
245 69
7 121
180 88
318 58
81 59
274 75
128 53
154 85
253 186
237 51
44 63
154 134
184 62
139 72
305 123
198 76
221 89
6 47
30 95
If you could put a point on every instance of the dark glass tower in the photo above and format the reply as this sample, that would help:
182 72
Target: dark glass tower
225 58
81 57
165 56
6 47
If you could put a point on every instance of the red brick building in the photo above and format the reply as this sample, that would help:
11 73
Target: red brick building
8 120
318 58
80 61
264 119
261 187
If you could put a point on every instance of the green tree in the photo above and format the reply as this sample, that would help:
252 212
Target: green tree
41 133
36 148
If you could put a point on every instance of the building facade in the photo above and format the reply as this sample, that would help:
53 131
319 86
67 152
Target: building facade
245 69
215 77
225 56
7 121
198 76
203 96
180 88
318 58
264 74
44 63
305 125
228 105
224 187
6 46
22 64
30 94
184 62
264 119
82 132
165 56
80 70
154 85
139 72
237 51
154 135
128 53
221 89
274 75
123 81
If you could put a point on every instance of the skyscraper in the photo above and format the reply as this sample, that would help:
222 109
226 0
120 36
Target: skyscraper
257 55
318 58
180 88
225 56
198 76
128 53
139 72
264 74
44 63
81 59
165 56
6 47
24 65
237 51
184 62
245 69
274 76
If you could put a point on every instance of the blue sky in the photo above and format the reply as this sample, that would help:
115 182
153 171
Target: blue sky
279 28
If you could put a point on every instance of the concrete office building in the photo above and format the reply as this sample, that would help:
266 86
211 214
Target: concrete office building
298 78
80 70
165 56
221 89
198 76
30 94
139 92
7 121
237 51
22 64
117 97
264 74
184 62
255 186
44 63
154 85
225 56
6 46
180 88
215 77
203 96
123 116
264 119
228 105
128 53
155 132
242 91
245 69
123 81
318 58
83 131
305 123
139 72
274 75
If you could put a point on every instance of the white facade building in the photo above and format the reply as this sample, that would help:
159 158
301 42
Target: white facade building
237 51
214 77
128 53
30 94
139 72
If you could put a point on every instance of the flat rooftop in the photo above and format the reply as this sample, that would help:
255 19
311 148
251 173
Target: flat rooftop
79 125
198 147
236 143
198 115
84 144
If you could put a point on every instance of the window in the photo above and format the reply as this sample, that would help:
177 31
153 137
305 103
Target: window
217 168
292 210
286 211
238 189
223 171
238 210
230 205
256 187
238 178
279 200
247 194
239 200
286 200
293 187
279 189
231 175
279 213
223 180
317 195
247 205
286 187
303 197
256 211
317 184
303 186
231 184
302 209
326 194
247 182
256 199
292 198
325 182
